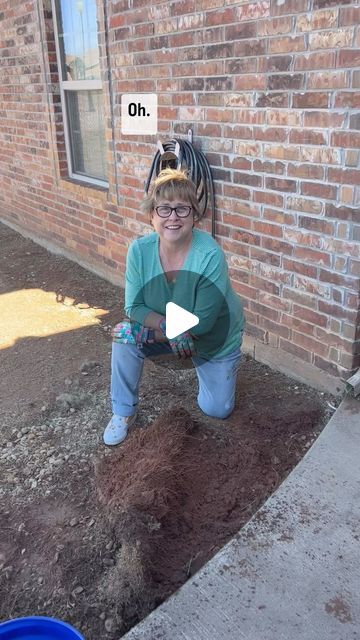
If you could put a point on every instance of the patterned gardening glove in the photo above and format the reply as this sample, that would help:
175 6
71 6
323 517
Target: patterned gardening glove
183 345
131 333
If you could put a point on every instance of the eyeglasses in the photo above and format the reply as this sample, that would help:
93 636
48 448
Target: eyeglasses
165 211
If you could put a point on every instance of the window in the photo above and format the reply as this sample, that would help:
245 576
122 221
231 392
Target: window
77 49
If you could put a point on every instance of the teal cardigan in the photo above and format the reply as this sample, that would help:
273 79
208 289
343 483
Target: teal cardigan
202 287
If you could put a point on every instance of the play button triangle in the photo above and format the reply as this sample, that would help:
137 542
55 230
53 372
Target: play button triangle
178 320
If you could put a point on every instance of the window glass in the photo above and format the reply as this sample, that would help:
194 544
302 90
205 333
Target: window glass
78 39
87 128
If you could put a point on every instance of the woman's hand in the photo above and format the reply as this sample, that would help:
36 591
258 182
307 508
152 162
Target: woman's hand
183 345
128 332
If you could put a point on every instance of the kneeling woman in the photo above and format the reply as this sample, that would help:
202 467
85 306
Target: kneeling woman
181 264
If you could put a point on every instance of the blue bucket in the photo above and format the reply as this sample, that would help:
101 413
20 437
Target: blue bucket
38 628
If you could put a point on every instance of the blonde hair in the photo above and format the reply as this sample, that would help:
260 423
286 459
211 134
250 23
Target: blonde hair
171 184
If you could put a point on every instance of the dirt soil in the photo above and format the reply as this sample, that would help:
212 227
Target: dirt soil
96 536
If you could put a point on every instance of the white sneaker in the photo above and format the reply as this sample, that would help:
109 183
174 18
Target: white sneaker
117 429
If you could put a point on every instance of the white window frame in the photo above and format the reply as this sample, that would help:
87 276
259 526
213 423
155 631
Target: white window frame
73 85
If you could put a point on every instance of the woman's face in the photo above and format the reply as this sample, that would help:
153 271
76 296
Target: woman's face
173 229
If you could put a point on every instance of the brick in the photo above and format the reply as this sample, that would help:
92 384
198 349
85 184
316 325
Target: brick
350 99
272 273
316 224
221 16
298 237
309 315
239 275
251 82
288 44
295 323
237 100
218 115
281 152
211 99
339 279
317 20
241 65
279 184
296 351
309 255
289 7
249 116
181 7
235 191
349 16
244 236
269 167
337 311
311 61
352 157
356 233
274 301
281 100
223 50
311 287
324 119
240 30
307 137
280 217
264 285
253 11
267 228
283 81
247 178
270 134
304 205
318 190
352 300
349 57
325 365
275 26
192 21
310 100
244 48
345 139
191 113
334 340
264 256
237 162
244 290
341 247
278 246
207 129
320 154
342 213
328 80
299 267
306 171
310 344
219 84
354 267
320 4
246 148
255 331
275 327
274 199
276 63
337 39
266 312
349 361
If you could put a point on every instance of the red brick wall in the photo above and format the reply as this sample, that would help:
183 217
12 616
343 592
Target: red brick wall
271 91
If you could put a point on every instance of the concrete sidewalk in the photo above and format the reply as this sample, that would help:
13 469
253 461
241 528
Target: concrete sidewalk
293 572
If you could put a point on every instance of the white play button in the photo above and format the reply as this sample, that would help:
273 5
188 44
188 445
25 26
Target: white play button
178 320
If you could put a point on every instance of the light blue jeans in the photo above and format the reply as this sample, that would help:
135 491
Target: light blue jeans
217 378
